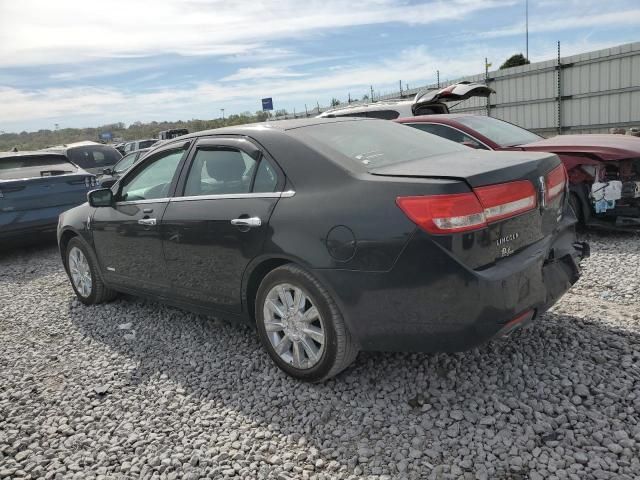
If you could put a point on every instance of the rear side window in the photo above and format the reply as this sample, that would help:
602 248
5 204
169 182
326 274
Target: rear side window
449 133
24 166
363 144
146 143
221 171
94 156
383 114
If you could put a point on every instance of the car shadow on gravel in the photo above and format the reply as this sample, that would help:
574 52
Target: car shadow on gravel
536 379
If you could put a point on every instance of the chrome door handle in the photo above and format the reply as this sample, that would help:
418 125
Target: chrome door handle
147 221
247 222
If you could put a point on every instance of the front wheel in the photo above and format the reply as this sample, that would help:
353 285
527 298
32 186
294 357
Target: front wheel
301 326
84 275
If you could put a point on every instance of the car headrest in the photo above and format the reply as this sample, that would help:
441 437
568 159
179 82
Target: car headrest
226 165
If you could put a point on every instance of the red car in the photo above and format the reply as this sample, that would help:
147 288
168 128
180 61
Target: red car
604 170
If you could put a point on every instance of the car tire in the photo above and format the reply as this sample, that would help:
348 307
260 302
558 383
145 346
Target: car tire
85 278
309 360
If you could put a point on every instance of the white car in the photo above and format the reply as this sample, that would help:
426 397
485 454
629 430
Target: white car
427 102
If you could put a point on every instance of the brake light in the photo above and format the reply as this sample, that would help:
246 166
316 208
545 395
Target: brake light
444 213
463 212
506 199
556 182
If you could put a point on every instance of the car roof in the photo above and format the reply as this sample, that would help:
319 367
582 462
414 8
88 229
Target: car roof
436 118
29 153
277 125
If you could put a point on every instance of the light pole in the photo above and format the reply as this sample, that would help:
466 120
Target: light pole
222 110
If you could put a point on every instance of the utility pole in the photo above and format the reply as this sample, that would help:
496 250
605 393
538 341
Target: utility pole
438 77
222 110
349 98
306 112
486 82
400 88
526 16
372 93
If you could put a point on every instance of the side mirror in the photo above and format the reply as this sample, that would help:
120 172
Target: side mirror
102 197
107 171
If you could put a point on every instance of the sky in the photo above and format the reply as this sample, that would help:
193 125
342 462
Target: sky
82 63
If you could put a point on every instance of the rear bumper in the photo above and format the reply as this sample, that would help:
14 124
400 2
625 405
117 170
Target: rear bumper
431 302
15 225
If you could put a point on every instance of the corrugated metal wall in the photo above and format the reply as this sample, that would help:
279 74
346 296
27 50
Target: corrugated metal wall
597 90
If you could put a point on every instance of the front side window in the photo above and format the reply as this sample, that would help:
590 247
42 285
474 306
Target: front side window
154 179
220 171
449 133
125 163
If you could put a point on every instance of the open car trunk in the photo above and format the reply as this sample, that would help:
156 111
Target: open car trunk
432 101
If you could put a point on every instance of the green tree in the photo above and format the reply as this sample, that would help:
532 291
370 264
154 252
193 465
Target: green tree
515 61
335 102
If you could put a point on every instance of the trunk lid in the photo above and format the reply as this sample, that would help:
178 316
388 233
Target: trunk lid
426 100
501 238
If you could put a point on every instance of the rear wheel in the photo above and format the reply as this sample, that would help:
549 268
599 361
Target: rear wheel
301 327
84 276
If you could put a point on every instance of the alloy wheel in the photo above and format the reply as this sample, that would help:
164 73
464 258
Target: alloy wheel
80 272
294 326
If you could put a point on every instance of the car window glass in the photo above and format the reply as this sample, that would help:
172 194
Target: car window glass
220 172
449 133
146 143
93 157
503 133
362 144
153 180
383 114
34 166
266 178
125 163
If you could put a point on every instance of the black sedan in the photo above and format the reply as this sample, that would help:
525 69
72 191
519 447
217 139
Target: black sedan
333 236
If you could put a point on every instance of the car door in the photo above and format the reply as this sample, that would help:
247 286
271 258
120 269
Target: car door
127 236
219 222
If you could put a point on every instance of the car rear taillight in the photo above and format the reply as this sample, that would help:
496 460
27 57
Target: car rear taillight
556 183
463 212
506 199
444 213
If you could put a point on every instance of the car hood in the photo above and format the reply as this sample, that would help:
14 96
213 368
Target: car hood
604 146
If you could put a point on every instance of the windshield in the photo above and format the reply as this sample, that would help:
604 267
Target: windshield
503 133
97 156
373 143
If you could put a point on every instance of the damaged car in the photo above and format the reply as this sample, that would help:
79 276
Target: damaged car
603 169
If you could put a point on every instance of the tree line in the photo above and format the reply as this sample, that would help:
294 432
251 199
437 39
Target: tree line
137 130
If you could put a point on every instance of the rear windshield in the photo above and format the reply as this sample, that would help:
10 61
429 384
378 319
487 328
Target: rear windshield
504 134
97 156
373 143
23 166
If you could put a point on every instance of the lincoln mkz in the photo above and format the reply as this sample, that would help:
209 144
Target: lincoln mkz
333 236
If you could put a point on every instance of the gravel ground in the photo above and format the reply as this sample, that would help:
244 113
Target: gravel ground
134 389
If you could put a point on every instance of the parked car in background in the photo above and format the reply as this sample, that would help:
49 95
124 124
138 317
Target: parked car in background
172 133
35 187
119 147
90 156
426 102
332 236
111 175
138 145
603 170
